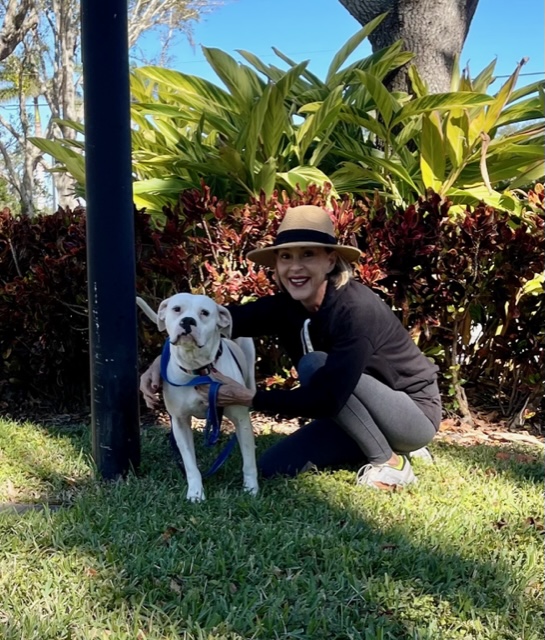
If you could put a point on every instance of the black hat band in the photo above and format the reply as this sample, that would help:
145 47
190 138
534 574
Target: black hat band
304 235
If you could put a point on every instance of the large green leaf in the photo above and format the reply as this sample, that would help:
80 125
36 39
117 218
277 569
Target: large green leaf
265 180
72 161
250 134
522 111
528 89
276 122
394 170
485 78
351 177
419 86
534 172
410 131
473 196
380 63
243 83
269 71
151 202
161 186
385 103
318 121
170 133
364 120
314 80
157 109
432 152
304 176
182 85
350 46
76 126
501 99
455 79
442 102
456 130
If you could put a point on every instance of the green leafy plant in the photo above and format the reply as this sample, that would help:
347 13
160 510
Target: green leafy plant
450 143
256 134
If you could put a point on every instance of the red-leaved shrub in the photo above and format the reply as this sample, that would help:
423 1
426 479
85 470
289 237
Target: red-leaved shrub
461 284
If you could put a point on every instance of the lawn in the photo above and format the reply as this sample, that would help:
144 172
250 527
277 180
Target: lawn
458 556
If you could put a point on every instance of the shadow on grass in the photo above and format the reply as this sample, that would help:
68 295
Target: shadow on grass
314 557
47 464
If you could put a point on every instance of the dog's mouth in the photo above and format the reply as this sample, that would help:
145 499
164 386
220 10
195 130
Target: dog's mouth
184 339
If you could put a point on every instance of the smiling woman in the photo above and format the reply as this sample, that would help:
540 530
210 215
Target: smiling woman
371 393
302 273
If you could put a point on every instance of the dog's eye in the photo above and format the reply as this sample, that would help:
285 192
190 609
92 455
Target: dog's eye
205 313
177 309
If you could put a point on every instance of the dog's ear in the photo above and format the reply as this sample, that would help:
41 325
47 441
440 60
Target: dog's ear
161 313
224 321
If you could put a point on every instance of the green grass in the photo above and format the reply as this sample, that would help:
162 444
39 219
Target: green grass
459 556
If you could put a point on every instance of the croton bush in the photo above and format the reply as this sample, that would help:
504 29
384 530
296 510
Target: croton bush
468 286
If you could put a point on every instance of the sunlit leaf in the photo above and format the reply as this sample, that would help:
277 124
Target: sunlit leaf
351 45
441 101
432 152
385 103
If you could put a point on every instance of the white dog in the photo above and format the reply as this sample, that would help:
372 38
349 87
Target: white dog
198 331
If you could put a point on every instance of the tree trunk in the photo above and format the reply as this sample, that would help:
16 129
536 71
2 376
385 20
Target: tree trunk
63 96
434 30
19 18
27 190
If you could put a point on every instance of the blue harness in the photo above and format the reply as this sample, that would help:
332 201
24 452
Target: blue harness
212 427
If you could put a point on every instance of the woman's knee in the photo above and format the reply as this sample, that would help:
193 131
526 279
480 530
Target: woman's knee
309 364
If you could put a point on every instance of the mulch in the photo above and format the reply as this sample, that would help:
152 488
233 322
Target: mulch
487 428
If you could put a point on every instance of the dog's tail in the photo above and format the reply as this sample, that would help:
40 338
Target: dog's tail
146 309
247 347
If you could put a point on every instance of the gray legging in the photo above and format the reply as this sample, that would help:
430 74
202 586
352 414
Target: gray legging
375 422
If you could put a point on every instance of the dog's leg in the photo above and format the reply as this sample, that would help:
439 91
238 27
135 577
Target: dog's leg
184 441
245 436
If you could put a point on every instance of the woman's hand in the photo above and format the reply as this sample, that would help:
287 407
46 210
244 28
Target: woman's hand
229 393
150 383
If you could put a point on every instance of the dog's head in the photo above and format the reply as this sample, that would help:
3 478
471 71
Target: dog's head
193 320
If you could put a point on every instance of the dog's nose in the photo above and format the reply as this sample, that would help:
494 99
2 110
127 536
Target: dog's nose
187 323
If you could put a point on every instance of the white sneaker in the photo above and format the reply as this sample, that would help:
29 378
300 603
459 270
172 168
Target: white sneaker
422 454
383 476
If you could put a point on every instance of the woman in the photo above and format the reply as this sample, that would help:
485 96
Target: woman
372 394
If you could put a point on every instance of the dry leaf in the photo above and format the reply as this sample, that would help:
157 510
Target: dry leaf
534 523
168 533
175 585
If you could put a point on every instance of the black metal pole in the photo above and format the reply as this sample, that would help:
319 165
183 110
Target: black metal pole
110 237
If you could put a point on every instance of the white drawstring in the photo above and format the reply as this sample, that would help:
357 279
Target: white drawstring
305 338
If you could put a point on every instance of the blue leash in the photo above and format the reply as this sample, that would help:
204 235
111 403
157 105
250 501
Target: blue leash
212 427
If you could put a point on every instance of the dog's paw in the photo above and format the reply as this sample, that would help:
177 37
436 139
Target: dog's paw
251 488
195 494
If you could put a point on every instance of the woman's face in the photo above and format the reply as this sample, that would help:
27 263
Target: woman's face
302 271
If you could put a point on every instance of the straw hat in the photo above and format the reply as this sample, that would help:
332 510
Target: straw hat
304 226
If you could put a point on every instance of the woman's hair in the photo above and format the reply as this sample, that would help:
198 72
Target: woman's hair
342 271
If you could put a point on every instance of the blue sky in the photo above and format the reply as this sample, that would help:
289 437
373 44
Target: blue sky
316 29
